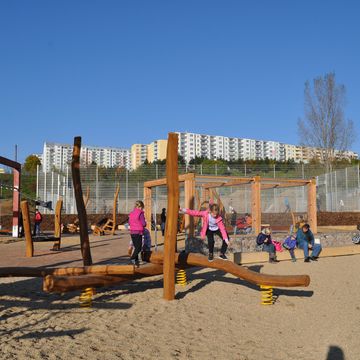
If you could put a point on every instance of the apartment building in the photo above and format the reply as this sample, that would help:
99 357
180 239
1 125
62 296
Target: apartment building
58 156
150 152
228 148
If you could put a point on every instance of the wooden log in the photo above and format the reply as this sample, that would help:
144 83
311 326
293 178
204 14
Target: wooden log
145 270
148 206
253 277
57 230
70 283
256 204
84 236
172 180
27 229
312 210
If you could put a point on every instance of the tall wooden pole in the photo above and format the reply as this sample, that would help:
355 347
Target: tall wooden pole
84 236
189 188
148 206
312 210
57 223
172 216
27 229
256 204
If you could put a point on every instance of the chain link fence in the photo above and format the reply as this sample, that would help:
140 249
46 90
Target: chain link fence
337 191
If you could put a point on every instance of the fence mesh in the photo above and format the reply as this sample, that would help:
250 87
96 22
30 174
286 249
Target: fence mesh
337 191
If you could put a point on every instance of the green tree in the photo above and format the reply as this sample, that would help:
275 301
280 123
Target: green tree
31 163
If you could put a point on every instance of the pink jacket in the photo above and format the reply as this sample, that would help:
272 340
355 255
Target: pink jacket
137 221
205 222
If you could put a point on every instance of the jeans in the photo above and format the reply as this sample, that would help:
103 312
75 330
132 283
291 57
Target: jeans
270 248
137 242
211 241
36 229
316 249
292 253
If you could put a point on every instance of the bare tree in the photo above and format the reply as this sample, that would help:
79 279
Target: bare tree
324 126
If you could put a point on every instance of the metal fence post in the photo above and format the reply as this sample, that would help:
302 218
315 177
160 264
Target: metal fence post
245 169
97 190
37 181
126 190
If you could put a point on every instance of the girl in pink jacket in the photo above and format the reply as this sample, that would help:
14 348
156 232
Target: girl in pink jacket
137 225
212 224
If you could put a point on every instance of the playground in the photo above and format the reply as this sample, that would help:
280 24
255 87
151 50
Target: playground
131 312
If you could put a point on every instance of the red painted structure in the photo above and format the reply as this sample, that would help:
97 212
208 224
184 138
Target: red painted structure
16 192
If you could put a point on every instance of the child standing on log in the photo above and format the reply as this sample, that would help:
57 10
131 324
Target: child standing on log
212 224
137 225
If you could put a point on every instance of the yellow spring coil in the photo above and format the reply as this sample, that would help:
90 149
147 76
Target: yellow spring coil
266 295
85 297
181 277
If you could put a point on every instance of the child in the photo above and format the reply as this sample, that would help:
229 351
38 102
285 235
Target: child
137 225
212 224
290 244
356 237
37 221
146 244
264 240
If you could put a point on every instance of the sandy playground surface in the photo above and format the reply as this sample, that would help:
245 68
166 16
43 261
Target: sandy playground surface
216 316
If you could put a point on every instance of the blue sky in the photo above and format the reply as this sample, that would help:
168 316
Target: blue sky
122 72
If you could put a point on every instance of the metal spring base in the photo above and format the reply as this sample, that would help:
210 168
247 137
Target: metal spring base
266 295
85 297
181 277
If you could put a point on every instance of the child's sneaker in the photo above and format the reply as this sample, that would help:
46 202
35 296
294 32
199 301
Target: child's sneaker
223 257
293 259
211 257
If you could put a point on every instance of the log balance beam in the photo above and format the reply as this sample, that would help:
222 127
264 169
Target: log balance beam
69 279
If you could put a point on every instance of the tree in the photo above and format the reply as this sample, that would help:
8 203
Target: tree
31 163
324 126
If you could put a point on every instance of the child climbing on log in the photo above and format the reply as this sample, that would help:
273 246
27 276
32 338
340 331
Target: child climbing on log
137 225
212 224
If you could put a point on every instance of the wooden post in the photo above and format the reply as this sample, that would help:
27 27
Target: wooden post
27 229
116 195
312 210
83 224
172 216
256 204
189 204
148 205
57 222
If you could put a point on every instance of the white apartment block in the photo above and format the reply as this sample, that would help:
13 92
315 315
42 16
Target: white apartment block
58 156
221 147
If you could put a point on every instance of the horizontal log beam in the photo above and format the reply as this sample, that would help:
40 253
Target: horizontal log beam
64 284
162 181
236 270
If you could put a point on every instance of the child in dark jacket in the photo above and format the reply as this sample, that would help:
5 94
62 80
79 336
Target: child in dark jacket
137 225
264 240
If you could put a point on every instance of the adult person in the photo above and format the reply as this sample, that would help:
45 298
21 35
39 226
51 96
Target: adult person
304 239
163 221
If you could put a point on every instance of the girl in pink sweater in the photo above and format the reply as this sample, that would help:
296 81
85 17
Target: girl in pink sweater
212 224
137 225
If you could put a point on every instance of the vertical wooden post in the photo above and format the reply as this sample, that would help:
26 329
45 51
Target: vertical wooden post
27 229
189 186
116 195
172 216
83 224
256 204
148 205
312 210
57 223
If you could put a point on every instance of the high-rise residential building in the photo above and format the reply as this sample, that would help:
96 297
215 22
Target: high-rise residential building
150 152
58 156
228 148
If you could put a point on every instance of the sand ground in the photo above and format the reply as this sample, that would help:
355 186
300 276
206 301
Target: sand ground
216 316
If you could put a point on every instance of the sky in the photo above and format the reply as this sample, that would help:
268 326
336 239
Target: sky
119 72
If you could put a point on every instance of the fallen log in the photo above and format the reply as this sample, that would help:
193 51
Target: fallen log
70 283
